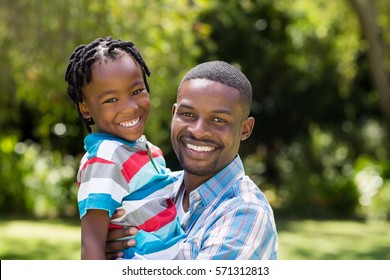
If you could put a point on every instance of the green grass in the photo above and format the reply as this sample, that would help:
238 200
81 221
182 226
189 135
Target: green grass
298 240
334 240
39 240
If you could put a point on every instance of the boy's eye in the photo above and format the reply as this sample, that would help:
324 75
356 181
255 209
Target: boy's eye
111 100
137 91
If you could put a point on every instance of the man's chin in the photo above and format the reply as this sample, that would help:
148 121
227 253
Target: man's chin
199 170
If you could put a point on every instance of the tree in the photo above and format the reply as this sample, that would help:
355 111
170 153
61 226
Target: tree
373 27
37 119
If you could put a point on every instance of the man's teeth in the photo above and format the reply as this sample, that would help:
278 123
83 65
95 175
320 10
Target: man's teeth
200 148
129 124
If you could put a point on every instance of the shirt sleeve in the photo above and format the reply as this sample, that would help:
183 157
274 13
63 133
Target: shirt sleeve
102 186
243 232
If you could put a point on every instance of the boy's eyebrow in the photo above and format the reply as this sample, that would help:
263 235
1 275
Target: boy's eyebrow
106 92
110 91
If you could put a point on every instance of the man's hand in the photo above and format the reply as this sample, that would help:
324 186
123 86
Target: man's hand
113 245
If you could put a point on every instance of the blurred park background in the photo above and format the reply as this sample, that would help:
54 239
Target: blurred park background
320 150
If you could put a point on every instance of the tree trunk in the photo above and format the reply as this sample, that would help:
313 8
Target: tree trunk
367 15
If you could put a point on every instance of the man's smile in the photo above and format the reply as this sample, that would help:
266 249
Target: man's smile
199 148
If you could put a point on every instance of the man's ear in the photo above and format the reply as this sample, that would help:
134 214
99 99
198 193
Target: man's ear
247 128
84 110
174 108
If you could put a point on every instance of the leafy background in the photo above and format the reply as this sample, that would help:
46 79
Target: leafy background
319 70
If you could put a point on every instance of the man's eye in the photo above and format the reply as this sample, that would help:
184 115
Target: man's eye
186 114
219 120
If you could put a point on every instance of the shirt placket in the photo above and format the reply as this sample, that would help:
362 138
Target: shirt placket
195 211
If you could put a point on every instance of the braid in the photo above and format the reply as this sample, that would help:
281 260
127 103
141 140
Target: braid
78 72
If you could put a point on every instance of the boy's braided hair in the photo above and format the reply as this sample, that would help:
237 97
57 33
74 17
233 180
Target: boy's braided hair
78 72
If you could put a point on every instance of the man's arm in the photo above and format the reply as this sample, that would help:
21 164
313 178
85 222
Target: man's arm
244 232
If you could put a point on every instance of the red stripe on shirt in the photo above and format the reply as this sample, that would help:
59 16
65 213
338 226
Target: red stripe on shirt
133 164
161 219
94 160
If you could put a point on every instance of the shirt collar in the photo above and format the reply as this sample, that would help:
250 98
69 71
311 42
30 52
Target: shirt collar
93 139
219 183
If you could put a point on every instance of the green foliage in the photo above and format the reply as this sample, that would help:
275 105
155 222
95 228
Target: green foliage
316 112
372 178
318 124
41 135
38 182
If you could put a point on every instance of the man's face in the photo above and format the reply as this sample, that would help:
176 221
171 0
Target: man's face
207 126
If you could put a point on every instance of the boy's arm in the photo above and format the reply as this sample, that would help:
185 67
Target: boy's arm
94 228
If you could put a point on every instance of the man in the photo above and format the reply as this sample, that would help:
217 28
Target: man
223 213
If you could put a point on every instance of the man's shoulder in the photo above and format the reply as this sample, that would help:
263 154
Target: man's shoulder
247 195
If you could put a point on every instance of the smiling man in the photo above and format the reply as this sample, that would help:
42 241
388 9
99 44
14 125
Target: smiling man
224 214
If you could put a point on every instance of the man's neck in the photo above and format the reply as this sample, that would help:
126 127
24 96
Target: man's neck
192 182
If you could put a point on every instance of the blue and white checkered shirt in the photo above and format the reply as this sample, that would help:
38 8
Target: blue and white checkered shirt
229 218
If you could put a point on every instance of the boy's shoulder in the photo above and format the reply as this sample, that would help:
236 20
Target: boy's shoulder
102 147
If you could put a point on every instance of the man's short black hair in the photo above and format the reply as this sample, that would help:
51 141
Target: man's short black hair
225 73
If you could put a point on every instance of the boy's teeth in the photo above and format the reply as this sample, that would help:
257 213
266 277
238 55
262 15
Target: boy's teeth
200 148
129 124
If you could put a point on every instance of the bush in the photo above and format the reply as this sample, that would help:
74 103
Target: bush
37 182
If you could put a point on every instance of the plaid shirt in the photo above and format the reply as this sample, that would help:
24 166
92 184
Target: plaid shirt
229 218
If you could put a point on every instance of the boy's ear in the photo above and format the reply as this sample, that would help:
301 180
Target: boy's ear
83 107
247 128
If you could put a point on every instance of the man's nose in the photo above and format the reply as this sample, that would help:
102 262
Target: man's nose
200 128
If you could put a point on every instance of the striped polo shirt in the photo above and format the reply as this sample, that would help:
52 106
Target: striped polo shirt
118 173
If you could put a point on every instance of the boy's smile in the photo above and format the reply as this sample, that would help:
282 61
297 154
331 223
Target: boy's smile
116 98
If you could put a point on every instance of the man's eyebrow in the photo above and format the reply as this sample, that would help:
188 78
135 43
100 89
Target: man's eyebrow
217 111
185 106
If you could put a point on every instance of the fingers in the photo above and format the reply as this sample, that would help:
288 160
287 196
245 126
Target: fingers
118 213
113 247
118 233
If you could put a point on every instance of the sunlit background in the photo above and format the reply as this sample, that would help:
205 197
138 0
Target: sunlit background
320 72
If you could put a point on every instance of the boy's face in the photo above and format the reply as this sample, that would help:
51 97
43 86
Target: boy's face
116 98
207 127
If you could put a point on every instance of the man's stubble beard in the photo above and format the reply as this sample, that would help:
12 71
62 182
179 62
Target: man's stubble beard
198 170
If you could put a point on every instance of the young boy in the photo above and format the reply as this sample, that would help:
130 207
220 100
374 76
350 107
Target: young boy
107 83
